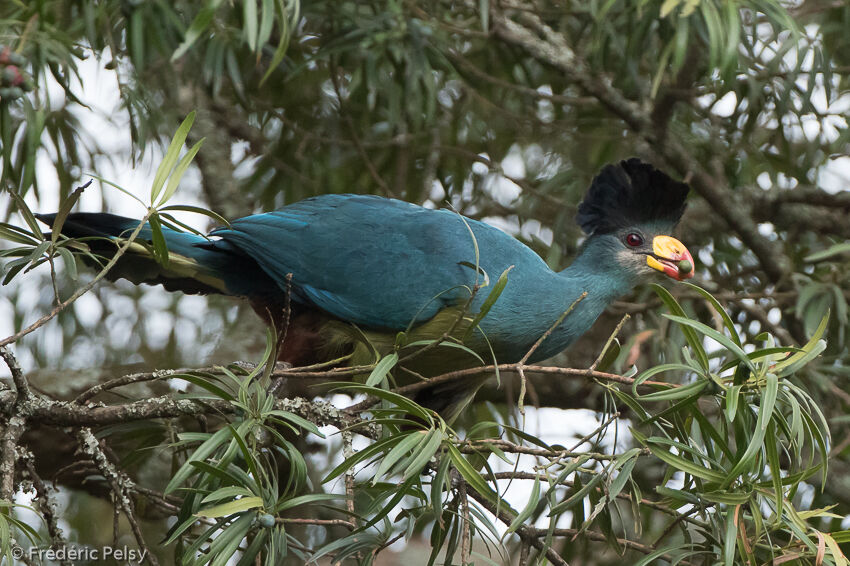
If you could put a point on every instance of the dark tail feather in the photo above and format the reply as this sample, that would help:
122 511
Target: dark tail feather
195 266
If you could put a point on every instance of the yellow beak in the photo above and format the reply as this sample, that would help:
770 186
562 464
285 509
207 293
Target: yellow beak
671 257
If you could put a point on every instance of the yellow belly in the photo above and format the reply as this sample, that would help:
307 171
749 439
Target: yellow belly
458 348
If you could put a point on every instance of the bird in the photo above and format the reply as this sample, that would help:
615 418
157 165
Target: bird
356 277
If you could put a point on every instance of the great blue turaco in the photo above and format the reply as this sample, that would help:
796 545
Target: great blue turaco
358 270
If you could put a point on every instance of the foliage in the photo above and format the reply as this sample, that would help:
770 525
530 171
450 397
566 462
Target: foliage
504 110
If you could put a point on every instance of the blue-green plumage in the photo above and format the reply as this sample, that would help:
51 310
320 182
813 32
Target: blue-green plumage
383 264
386 266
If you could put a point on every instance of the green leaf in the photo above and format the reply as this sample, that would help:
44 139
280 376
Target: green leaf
731 539
429 448
727 321
302 499
667 7
225 544
227 473
298 421
686 391
651 558
64 210
258 543
484 12
716 336
732 40
231 507
228 492
382 368
768 400
399 400
402 448
831 251
246 453
775 468
624 464
69 261
249 23
655 371
809 351
17 235
677 495
678 462
438 484
266 22
528 510
203 452
525 436
577 497
199 25
726 497
197 210
472 477
691 336
574 465
171 156
160 248
775 352
612 352
715 32
285 35
179 170
27 214
732 396
446 344
205 383
365 454
837 555
488 303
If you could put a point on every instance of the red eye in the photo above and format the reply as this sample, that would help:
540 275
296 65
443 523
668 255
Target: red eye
634 240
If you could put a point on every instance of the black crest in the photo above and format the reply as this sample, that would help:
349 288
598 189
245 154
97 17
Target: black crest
631 192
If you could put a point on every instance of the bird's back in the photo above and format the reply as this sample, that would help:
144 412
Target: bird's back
378 262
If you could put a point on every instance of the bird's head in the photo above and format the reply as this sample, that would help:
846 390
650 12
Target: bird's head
631 209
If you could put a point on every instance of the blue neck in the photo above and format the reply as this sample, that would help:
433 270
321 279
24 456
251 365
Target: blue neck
596 267
536 297
594 271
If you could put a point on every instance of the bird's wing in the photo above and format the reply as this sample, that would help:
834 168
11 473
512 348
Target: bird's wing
373 261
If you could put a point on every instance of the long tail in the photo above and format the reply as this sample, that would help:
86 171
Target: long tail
196 265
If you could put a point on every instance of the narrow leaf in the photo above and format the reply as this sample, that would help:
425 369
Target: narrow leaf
171 156
231 507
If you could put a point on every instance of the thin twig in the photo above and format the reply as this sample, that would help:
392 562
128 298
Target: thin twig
407 390
8 455
15 426
474 447
611 338
46 506
388 543
521 365
466 538
120 485
348 452
18 378
526 533
125 380
598 429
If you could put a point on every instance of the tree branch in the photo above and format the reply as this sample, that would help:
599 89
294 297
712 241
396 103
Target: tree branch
551 48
